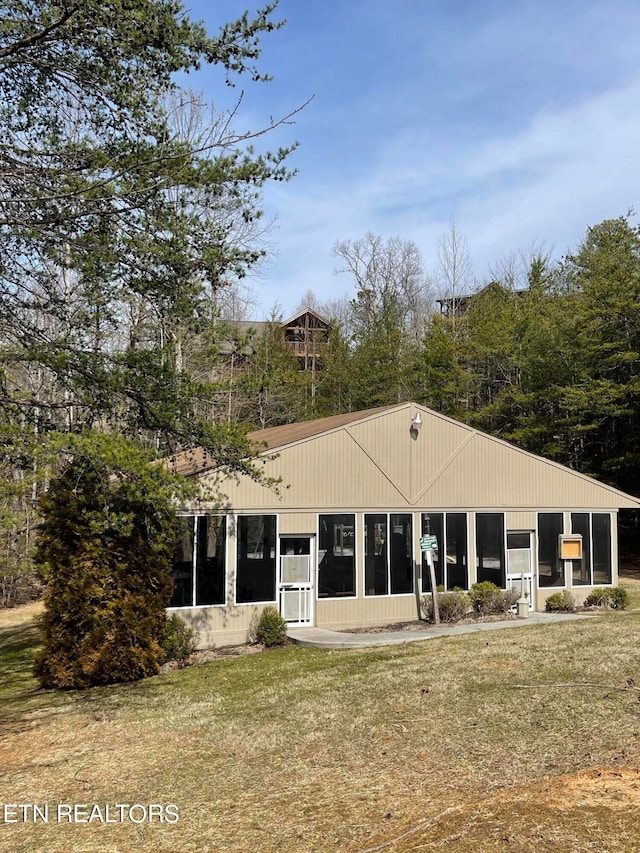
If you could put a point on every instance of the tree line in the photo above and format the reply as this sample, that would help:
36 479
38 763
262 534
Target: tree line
546 354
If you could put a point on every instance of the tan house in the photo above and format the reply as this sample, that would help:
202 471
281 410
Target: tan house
339 543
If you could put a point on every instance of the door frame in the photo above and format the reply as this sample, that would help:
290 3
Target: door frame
306 590
529 576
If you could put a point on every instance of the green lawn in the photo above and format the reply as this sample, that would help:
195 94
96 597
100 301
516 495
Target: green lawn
468 743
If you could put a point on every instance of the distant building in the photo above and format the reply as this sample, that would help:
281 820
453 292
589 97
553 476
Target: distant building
306 333
457 306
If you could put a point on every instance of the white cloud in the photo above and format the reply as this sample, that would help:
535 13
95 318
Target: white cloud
565 170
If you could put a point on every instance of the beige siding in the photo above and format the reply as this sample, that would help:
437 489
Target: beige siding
376 464
359 612
471 529
302 523
383 442
329 471
521 520
220 626
615 548
487 474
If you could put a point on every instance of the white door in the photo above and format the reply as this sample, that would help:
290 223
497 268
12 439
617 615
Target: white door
295 580
520 564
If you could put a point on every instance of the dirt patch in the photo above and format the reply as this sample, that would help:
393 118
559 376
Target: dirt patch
613 788
415 625
207 655
597 809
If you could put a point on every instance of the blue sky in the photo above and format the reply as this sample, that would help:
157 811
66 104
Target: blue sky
519 119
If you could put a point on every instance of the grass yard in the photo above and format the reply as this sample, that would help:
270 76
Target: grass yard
469 743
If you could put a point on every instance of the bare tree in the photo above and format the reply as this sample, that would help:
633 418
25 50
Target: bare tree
454 272
513 271
390 279
336 310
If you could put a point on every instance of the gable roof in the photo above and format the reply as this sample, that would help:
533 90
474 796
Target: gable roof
197 460
368 458
281 436
304 311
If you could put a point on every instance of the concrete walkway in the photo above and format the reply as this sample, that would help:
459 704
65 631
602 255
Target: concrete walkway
325 639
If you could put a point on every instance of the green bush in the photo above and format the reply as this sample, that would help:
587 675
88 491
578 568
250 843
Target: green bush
179 641
560 602
271 629
619 598
452 606
614 597
489 600
104 552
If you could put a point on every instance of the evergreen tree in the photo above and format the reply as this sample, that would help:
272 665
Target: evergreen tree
603 278
104 550
118 228
117 225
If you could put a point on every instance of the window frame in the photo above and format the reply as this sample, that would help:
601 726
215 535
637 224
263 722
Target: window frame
444 549
585 552
388 554
591 514
503 567
276 557
345 596
612 561
550 587
194 560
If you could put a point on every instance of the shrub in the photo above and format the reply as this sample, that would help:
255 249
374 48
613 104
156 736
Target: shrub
560 602
271 629
484 597
614 597
452 606
179 641
488 599
509 598
619 598
104 550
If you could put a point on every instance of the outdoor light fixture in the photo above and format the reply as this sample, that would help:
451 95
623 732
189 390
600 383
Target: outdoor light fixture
416 423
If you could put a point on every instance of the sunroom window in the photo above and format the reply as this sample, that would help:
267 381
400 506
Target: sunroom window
550 566
388 540
490 559
450 560
256 563
199 561
336 555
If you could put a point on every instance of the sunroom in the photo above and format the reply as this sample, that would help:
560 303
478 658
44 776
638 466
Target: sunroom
338 544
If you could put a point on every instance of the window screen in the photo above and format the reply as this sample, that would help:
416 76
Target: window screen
490 563
450 560
550 566
199 561
433 524
210 560
401 554
256 563
336 556
182 570
601 524
376 566
581 569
